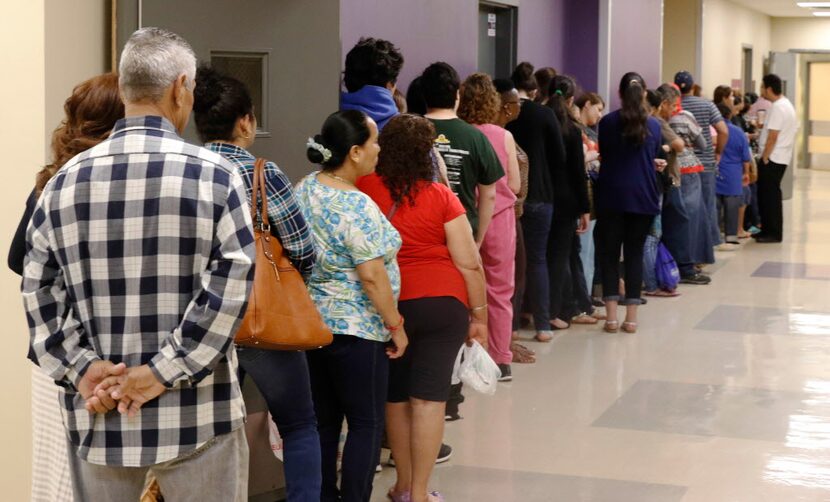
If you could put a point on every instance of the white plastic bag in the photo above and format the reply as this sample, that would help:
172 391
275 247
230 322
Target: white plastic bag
475 368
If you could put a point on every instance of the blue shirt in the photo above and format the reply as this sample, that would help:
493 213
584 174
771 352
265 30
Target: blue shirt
141 252
731 167
284 215
376 102
627 178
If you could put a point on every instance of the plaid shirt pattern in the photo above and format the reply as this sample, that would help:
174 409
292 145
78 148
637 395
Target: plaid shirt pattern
287 222
140 250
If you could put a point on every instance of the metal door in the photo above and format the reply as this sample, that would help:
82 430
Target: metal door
496 39
818 116
288 52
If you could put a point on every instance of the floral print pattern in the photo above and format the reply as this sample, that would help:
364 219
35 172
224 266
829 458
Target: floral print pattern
348 229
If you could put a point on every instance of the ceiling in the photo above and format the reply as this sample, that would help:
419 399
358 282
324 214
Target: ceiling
776 8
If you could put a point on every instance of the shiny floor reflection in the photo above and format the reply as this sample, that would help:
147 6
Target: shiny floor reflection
766 320
777 269
722 396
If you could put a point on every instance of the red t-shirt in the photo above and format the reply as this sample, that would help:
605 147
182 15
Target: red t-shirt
426 266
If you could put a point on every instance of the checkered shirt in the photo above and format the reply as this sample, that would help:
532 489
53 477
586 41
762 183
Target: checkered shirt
140 250
284 214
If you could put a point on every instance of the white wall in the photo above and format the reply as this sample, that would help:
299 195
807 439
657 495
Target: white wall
48 47
800 33
22 141
726 28
77 48
680 37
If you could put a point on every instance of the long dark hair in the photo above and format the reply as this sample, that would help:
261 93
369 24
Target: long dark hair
633 112
341 131
561 89
404 160
218 102
91 112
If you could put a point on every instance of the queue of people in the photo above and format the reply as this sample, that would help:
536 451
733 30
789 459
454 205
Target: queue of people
456 214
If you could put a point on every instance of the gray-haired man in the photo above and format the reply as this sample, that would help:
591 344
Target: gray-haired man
138 271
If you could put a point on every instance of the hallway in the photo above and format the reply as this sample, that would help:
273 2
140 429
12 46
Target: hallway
723 395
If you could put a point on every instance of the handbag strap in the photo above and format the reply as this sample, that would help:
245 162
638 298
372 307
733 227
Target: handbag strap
261 213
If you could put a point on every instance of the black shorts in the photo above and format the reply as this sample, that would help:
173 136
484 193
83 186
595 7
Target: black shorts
436 328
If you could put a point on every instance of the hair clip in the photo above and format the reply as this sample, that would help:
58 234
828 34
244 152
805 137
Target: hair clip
558 92
634 81
320 148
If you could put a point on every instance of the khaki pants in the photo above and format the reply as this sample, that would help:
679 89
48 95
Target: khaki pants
216 472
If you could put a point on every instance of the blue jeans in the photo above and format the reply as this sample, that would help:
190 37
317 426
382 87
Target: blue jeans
708 187
350 378
701 244
586 254
282 378
729 205
650 255
536 224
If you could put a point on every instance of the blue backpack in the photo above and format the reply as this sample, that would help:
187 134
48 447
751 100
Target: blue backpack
668 275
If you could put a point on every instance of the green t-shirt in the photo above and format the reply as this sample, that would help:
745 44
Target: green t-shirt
470 160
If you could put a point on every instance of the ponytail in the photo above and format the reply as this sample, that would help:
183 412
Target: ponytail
633 112
560 91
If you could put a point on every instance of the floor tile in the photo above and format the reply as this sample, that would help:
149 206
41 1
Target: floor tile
766 320
474 484
717 410
781 270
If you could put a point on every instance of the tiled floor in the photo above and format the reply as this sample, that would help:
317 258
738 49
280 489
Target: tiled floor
723 395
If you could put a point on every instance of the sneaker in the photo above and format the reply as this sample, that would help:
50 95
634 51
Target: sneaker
444 453
452 417
754 230
506 373
379 468
698 279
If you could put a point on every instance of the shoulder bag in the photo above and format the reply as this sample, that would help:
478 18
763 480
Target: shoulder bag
281 315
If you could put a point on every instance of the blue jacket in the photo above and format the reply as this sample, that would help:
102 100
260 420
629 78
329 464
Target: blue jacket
374 101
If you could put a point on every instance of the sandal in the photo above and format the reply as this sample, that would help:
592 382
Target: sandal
398 496
554 327
629 327
544 336
521 354
584 318
611 326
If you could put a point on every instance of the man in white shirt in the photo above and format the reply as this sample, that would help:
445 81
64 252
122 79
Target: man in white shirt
776 147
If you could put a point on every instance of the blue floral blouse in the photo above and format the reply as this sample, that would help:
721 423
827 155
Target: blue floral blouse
348 229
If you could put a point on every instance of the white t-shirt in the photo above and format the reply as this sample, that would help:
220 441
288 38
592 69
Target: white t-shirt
781 118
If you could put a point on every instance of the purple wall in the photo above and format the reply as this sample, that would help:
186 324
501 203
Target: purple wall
447 30
542 25
636 37
425 30
582 43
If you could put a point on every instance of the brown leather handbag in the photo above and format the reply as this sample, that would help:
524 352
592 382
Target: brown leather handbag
281 314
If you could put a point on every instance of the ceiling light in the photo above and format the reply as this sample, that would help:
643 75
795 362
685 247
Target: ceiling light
821 14
808 5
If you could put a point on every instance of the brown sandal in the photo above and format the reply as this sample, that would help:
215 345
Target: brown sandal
611 326
584 318
629 327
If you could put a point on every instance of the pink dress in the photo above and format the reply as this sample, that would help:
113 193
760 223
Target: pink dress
498 254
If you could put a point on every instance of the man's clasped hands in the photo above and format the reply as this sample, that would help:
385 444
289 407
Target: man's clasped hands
106 386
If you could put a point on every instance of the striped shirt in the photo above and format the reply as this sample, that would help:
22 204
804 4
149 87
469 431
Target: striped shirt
284 215
706 114
140 250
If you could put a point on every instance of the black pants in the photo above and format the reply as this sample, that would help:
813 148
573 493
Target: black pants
560 245
770 175
580 297
520 279
618 231
350 379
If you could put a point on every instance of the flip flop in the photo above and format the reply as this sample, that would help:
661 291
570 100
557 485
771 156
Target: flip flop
662 293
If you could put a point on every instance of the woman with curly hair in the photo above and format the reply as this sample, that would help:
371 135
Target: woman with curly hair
441 276
91 112
480 105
